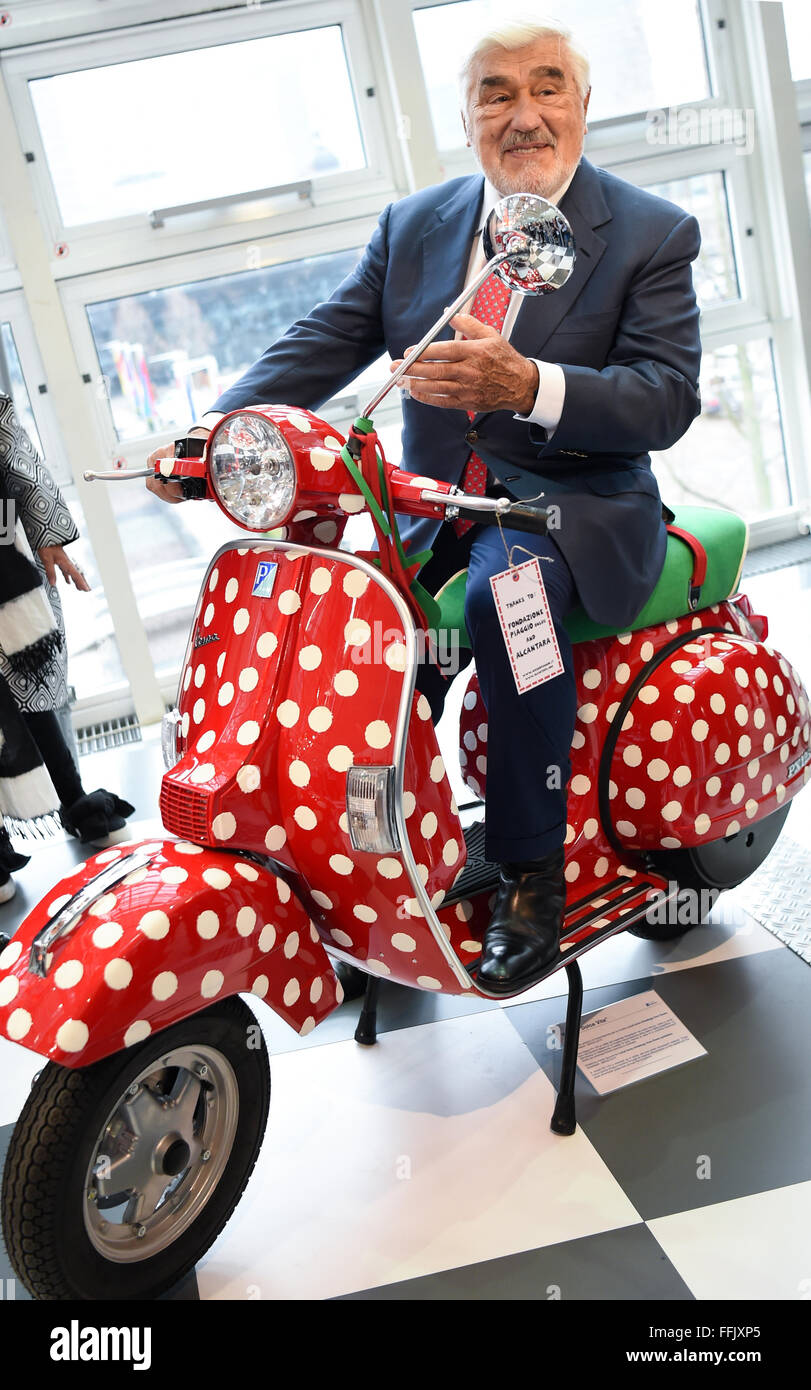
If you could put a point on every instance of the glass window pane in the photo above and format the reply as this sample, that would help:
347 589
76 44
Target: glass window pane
10 368
797 17
94 661
704 195
644 54
168 354
159 132
733 454
807 171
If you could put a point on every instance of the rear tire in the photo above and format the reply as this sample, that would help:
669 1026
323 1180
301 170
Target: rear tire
60 1244
711 868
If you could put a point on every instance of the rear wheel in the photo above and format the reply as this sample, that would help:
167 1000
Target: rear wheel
121 1175
704 871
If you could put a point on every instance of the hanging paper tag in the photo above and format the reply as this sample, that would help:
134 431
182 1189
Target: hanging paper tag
529 634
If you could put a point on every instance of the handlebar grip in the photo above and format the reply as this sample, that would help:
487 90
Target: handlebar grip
522 516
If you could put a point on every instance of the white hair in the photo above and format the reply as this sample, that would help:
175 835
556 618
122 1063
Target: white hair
517 33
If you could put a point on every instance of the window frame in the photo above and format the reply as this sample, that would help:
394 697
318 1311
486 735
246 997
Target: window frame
124 240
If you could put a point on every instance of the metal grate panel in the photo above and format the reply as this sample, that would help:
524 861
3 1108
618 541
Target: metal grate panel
184 811
108 733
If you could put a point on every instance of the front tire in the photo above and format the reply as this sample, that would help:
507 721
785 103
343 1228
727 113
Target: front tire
712 868
120 1176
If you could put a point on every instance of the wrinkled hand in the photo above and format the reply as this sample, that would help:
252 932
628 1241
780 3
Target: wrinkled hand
54 558
169 491
478 372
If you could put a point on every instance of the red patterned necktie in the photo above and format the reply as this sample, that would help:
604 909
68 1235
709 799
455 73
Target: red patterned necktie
490 307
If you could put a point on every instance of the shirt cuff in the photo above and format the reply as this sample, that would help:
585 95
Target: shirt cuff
209 420
548 406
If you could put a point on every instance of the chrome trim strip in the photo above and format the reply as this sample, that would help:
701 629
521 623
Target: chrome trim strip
60 923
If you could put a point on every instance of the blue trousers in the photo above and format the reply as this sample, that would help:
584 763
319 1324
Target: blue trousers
528 736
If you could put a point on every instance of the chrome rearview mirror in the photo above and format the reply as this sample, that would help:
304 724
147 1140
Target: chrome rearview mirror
537 240
529 245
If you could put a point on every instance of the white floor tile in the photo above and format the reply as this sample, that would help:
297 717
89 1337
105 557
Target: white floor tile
429 1151
753 1247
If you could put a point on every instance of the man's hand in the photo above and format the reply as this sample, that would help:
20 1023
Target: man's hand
169 491
478 372
54 558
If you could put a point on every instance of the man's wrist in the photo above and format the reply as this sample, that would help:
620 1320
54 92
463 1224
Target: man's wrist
527 402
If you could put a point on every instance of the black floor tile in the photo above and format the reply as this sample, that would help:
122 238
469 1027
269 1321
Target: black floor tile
732 1123
626 1264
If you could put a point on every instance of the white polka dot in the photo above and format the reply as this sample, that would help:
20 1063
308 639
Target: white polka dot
309 658
357 632
208 615
601 867
428 825
623 673
402 942
305 818
626 828
260 986
216 878
211 983
275 838
744 745
780 725
700 730
648 694
345 683
635 798
437 769
340 757
378 734
742 676
231 590
768 742
73 1035
671 811
661 731
299 773
248 678
9 989
288 713
580 785
751 808
428 982
450 852
289 602
321 459
587 714
319 719
267 937
248 732
68 974
137 1031
340 864
657 770
646 651
320 580
11 955
685 694
220 662
164 985
390 868
759 718
409 804
241 620
267 644
154 924
721 753
572 872
248 778
208 924
292 990
591 678
632 755
118 974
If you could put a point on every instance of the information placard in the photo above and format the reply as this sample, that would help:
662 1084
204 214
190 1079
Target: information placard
631 1040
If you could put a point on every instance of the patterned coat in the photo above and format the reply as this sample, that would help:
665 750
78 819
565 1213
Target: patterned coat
46 520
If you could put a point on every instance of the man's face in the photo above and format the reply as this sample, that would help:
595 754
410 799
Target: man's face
525 118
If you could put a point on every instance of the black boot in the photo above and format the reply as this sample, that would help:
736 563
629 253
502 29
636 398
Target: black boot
95 817
10 860
524 932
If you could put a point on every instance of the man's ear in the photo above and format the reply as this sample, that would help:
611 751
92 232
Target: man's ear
586 107
463 114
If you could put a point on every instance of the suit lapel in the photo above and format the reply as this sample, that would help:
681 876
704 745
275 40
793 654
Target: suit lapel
585 208
446 251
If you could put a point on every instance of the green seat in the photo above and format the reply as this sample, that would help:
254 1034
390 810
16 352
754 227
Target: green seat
723 535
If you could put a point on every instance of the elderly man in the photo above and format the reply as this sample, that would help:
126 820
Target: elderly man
562 395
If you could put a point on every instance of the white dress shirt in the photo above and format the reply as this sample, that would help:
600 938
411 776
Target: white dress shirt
548 406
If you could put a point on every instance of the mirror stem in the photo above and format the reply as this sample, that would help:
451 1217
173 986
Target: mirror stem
467 293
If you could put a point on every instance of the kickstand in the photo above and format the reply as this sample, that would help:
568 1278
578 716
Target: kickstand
366 1031
563 1119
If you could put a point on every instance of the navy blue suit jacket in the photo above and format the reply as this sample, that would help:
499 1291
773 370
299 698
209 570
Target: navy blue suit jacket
624 329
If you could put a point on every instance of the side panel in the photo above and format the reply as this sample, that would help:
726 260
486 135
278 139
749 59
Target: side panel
191 926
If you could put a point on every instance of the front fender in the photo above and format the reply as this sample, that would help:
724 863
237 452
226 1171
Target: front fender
190 926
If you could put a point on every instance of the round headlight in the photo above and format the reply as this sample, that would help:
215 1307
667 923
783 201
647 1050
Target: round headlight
252 471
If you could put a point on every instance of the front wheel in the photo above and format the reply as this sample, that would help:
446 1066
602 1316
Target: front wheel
704 871
121 1175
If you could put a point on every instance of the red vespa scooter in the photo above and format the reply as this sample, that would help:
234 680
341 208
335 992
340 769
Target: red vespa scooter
311 821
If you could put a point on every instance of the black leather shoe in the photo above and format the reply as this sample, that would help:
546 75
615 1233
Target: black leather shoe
524 932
